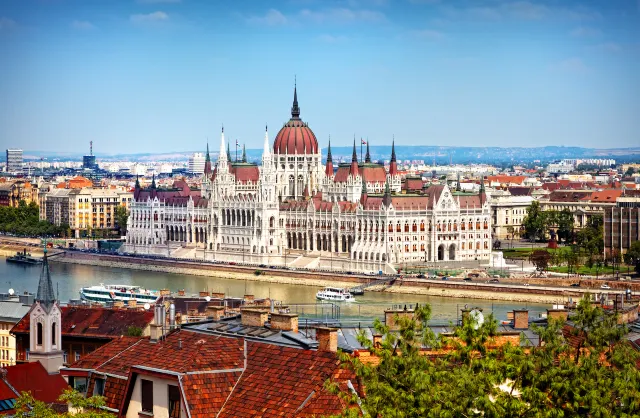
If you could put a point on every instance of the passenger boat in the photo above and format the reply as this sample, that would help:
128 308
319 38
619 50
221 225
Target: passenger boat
24 258
334 294
109 293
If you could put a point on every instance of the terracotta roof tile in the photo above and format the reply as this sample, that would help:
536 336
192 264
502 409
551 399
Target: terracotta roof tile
33 377
94 322
206 393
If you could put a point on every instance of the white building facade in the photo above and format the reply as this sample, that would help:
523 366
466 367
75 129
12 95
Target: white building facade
294 210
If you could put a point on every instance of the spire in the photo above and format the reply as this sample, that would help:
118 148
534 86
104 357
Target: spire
393 151
354 156
153 181
364 186
207 157
244 154
386 198
207 161
221 155
458 188
329 167
295 109
228 153
45 295
367 157
137 182
267 149
393 165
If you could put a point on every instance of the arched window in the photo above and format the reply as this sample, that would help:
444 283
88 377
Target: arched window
414 228
53 334
39 334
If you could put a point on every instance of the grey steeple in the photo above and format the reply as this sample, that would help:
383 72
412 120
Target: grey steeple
329 157
367 157
244 154
45 295
295 109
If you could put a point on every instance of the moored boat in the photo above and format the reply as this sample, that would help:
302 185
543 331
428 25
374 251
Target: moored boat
24 258
335 294
109 293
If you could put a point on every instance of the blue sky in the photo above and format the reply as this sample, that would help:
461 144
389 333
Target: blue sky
164 75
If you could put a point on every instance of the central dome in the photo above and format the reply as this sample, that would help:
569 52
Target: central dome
295 137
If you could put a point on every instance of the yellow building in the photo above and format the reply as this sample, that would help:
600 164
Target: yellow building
87 209
12 192
12 309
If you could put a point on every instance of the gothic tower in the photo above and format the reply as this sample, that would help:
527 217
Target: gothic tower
45 339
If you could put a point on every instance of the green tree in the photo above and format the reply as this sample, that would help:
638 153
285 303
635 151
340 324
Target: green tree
632 256
134 331
590 239
121 216
564 222
540 259
27 406
591 374
535 222
629 172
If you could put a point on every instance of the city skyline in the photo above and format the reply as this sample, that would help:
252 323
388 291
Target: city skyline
164 75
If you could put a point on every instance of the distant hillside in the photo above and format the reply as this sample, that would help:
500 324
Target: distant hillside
441 154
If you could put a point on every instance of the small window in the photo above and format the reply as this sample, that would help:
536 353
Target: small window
98 388
53 334
147 395
78 383
39 334
174 402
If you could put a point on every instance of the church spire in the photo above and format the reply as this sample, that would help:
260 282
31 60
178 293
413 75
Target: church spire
137 182
386 198
393 165
329 167
207 156
354 156
393 151
367 156
228 153
244 154
207 161
153 181
295 109
45 295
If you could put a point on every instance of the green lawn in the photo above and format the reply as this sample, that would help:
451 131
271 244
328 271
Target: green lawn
521 252
590 271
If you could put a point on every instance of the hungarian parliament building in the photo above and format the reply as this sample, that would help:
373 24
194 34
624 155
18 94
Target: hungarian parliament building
291 209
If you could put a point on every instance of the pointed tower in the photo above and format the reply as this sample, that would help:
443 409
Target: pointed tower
458 188
153 181
137 187
386 198
207 162
45 336
367 157
393 165
295 109
244 154
228 153
482 191
354 160
364 194
329 167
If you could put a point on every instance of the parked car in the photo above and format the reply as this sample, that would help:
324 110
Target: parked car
575 285
493 281
605 286
467 279
421 276
445 278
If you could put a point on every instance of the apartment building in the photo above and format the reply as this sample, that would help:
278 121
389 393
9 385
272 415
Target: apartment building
85 209
12 192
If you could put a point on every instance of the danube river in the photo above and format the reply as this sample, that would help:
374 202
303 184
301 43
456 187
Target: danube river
69 278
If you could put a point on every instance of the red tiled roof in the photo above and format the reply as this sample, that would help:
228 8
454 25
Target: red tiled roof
570 335
33 377
342 174
520 191
94 322
609 196
325 403
295 137
568 196
407 202
245 173
373 173
278 380
206 393
413 184
506 179
471 201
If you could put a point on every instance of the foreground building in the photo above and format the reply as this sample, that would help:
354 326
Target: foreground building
292 208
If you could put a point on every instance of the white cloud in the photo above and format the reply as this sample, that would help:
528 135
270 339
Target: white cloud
332 39
6 23
150 17
157 1
340 15
430 34
82 25
571 65
584 32
607 47
272 18
525 10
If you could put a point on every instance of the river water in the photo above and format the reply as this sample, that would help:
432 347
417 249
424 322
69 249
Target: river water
69 278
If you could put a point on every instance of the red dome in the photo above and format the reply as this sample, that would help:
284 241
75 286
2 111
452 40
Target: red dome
295 137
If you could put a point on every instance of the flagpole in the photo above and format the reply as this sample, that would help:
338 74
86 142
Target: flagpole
361 149
236 150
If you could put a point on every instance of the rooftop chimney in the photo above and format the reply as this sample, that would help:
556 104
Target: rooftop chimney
215 312
181 292
254 317
284 321
204 293
520 319
391 316
557 314
327 339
